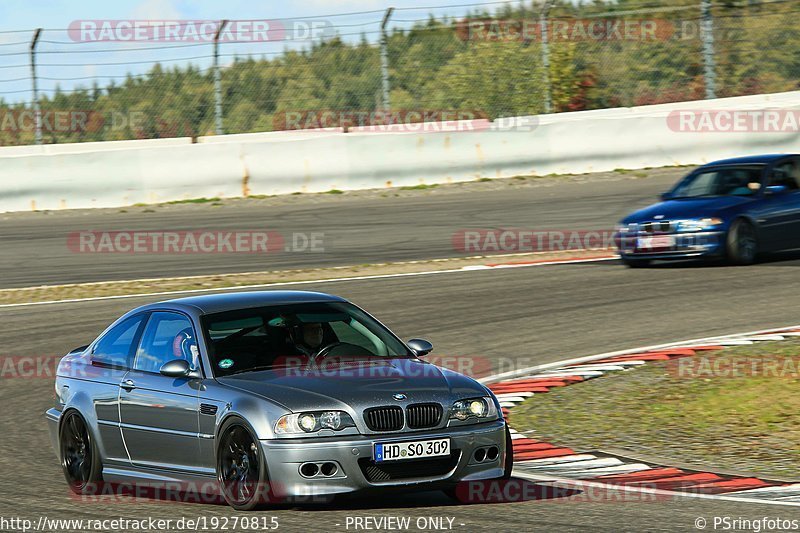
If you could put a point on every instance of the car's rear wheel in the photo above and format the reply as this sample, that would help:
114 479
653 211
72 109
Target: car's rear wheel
80 459
742 243
241 467
636 263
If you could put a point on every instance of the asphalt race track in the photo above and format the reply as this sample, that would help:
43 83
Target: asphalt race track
370 227
516 316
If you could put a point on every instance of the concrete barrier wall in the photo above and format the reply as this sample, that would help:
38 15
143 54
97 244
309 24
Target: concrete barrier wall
126 172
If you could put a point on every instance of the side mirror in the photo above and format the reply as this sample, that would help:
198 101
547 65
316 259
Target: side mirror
420 347
179 368
775 190
665 195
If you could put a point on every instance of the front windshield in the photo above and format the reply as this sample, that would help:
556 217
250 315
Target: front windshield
720 182
265 338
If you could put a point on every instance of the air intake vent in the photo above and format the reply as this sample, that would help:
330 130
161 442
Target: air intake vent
423 415
384 418
414 469
208 409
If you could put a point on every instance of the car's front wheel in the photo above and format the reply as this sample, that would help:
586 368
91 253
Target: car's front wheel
742 243
80 459
241 467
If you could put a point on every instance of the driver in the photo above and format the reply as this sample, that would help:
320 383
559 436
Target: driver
310 338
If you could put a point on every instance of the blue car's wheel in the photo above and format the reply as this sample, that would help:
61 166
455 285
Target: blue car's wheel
742 243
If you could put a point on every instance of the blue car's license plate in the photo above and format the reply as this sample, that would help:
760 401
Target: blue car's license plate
417 449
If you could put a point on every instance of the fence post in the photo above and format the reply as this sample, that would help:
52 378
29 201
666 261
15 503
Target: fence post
37 111
548 97
385 59
708 49
218 81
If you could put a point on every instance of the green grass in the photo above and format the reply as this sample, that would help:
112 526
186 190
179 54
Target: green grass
194 201
685 414
420 187
334 191
483 180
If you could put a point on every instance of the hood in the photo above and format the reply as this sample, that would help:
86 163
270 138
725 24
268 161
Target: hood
356 384
687 208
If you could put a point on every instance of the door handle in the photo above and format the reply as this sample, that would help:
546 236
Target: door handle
128 384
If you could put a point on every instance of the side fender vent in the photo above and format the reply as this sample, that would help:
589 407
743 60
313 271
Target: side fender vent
208 409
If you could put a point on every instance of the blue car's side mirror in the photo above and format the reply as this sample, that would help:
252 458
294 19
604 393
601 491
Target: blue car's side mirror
775 190
665 195
420 347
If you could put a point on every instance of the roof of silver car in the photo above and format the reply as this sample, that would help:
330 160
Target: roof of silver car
229 301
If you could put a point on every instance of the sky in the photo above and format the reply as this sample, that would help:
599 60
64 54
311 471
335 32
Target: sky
66 61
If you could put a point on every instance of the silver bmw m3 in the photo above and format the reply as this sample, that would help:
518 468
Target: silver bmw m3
269 396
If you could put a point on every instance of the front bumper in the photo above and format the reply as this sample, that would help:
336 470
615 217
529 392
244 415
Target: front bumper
52 416
686 245
353 457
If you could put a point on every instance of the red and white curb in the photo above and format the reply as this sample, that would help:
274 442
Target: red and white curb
546 461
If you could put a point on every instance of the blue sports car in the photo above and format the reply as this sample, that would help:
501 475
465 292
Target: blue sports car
735 209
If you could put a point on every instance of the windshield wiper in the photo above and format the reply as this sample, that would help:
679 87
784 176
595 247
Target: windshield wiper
251 369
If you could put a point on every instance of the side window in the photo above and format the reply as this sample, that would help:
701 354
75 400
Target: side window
167 336
786 174
115 347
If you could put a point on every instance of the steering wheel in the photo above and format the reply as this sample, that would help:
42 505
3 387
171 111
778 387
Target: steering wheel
326 350
354 350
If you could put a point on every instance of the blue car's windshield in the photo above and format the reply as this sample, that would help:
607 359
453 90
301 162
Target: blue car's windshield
720 182
265 338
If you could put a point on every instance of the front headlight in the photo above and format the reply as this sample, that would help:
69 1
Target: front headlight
626 228
312 422
699 225
472 408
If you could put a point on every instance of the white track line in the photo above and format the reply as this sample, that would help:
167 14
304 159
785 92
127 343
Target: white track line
480 268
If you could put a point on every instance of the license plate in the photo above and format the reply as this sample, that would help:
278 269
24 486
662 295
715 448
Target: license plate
418 449
658 241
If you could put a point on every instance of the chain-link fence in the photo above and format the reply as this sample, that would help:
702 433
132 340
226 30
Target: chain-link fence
110 80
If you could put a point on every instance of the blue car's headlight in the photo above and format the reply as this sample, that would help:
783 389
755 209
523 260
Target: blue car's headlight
627 228
699 224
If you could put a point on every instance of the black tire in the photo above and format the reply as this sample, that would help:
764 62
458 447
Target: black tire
242 467
80 459
508 465
742 243
636 263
